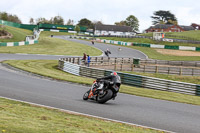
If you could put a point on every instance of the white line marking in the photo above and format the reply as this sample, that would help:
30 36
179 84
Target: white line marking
83 114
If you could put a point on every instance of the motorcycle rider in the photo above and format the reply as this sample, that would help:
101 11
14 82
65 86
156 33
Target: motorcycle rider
112 79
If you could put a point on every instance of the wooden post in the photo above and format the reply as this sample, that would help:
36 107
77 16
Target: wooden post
156 69
192 71
96 59
180 72
129 60
79 61
73 60
144 68
115 66
132 66
121 68
168 70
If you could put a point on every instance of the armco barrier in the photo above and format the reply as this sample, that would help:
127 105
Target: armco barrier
18 43
132 80
142 44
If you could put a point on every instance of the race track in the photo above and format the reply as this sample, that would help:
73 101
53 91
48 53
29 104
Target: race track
171 116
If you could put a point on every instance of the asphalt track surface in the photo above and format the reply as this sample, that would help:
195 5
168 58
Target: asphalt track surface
115 52
165 115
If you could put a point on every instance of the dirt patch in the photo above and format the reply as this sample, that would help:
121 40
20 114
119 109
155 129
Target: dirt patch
5 35
178 52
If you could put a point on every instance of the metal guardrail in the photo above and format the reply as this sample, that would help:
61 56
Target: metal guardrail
131 79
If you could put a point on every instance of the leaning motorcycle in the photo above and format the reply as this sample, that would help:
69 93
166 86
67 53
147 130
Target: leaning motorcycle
102 91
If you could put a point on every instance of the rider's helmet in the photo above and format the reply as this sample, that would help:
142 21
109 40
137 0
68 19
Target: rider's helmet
114 73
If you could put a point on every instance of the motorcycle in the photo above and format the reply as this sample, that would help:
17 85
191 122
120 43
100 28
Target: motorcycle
102 91
107 53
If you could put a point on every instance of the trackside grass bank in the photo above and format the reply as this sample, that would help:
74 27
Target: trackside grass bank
18 117
18 34
53 46
49 68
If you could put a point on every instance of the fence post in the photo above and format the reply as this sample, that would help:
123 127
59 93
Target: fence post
73 60
144 68
101 59
180 72
115 66
132 66
168 70
192 71
96 59
156 69
79 61
121 67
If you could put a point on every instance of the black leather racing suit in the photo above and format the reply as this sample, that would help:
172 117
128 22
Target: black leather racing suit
115 79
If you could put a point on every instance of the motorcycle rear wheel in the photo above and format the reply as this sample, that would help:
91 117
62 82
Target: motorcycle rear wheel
105 97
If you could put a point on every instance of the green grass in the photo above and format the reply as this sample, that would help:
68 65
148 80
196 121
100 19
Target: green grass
18 34
53 46
49 68
146 40
18 117
153 54
193 35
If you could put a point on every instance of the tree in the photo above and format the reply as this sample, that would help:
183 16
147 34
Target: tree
77 28
85 22
163 17
133 22
70 22
9 17
97 23
57 20
121 23
42 20
31 21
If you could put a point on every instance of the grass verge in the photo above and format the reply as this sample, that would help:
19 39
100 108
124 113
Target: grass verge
18 34
49 68
153 54
53 46
18 117
146 40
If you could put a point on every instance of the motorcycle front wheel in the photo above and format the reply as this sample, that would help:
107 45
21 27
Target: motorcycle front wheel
105 96
85 96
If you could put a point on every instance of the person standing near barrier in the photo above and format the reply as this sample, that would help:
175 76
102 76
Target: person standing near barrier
92 42
88 60
84 58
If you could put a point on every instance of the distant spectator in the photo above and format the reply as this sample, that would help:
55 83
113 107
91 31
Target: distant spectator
84 58
92 42
88 60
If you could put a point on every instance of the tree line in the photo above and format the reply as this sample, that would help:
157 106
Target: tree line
159 17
